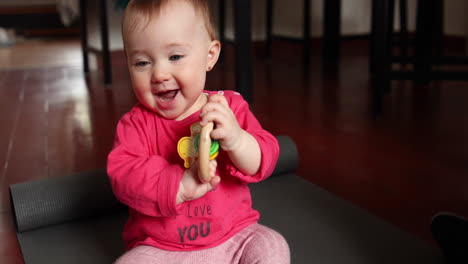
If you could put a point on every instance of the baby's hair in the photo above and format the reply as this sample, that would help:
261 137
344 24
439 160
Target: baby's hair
139 12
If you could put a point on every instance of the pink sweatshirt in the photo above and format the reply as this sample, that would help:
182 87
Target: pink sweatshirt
145 171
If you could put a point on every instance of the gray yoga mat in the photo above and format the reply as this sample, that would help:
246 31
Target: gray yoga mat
59 200
323 228
63 199
76 219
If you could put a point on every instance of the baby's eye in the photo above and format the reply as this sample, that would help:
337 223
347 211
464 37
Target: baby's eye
175 57
141 63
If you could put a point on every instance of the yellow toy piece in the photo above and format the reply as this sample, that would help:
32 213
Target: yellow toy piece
186 150
186 147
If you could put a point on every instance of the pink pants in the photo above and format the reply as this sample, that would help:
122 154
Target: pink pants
254 244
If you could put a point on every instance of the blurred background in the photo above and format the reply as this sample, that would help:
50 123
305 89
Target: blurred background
405 165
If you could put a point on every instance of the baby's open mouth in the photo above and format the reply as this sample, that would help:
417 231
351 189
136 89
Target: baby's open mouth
167 95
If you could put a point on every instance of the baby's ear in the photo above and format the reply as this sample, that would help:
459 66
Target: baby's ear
213 54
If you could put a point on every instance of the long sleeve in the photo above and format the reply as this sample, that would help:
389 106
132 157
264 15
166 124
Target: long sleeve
141 179
269 146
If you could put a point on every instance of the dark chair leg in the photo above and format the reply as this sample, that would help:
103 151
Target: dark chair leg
84 34
306 33
331 31
382 21
372 39
424 43
404 43
268 27
381 45
106 60
244 67
222 24
438 30
391 21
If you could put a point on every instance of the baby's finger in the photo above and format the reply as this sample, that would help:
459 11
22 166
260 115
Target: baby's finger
219 118
213 163
214 106
206 109
218 133
214 182
212 167
218 98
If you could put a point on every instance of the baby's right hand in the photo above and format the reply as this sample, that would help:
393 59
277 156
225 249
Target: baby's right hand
192 188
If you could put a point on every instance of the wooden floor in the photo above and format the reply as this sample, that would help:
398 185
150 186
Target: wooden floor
406 166
31 53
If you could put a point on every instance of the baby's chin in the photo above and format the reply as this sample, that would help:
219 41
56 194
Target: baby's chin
172 114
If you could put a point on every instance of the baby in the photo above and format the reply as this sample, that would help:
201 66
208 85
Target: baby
174 217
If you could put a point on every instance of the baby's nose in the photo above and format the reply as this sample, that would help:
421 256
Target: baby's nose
160 75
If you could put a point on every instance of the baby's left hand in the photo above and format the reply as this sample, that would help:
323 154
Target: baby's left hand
227 129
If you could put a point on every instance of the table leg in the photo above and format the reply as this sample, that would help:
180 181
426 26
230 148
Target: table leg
404 43
106 61
84 34
222 25
306 32
270 4
243 67
429 34
331 30
380 52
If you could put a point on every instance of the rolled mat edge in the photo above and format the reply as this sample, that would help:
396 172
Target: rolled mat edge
288 159
58 200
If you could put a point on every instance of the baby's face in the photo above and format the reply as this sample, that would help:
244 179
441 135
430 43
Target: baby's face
168 60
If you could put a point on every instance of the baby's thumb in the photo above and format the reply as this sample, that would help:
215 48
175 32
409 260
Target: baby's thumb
213 183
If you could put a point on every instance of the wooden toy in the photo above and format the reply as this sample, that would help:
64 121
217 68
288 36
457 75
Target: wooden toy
199 146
